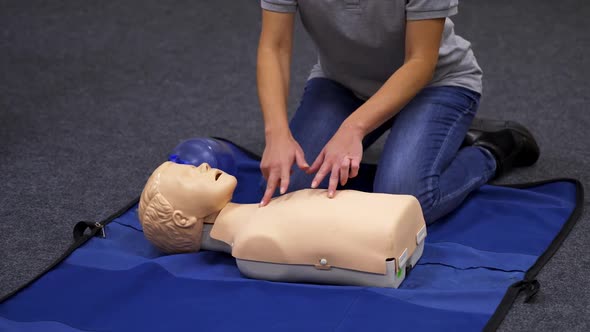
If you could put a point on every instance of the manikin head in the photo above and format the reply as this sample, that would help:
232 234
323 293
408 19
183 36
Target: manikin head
176 201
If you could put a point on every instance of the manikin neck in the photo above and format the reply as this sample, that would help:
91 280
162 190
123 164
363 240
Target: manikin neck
230 216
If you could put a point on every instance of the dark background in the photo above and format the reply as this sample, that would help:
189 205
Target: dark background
95 94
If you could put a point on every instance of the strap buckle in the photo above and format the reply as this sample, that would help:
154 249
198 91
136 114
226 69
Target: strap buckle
96 229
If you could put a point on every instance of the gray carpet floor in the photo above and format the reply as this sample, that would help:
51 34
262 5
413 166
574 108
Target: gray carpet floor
93 95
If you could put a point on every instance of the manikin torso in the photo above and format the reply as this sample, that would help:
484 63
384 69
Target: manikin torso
354 238
354 230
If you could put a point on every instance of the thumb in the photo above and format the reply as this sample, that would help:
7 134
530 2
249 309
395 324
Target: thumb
300 159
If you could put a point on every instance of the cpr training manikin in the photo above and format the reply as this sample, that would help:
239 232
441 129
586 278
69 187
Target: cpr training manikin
354 238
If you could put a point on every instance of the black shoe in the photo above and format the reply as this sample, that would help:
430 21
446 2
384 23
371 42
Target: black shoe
511 143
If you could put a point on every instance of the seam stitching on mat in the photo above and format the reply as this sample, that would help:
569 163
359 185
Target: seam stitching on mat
345 314
472 268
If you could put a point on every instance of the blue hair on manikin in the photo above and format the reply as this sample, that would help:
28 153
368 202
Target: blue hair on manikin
195 151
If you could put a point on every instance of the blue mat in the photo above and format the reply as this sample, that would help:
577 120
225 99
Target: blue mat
475 263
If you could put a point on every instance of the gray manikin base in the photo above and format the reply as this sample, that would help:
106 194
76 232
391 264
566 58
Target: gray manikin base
309 274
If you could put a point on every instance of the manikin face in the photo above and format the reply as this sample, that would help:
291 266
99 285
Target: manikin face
196 192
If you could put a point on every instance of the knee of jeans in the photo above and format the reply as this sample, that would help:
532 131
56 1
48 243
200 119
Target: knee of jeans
299 180
424 188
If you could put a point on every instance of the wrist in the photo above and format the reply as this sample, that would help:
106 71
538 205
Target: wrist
276 130
355 127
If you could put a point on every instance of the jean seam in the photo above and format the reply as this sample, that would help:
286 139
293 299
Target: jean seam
489 155
443 199
435 164
460 190
457 192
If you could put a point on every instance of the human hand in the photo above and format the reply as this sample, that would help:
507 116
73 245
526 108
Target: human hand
341 156
279 154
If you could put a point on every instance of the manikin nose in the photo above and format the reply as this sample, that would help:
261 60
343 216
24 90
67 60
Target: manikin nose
205 167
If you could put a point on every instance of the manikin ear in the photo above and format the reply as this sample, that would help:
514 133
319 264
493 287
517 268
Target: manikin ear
180 220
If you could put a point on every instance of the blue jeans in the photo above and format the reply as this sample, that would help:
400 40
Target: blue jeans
422 155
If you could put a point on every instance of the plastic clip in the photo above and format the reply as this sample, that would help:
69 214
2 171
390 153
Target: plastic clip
530 288
82 226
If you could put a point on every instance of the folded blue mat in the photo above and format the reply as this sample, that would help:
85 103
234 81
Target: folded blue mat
476 261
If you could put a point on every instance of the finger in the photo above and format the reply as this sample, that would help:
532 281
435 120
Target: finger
317 163
263 170
355 164
285 179
334 177
344 168
300 159
271 186
321 174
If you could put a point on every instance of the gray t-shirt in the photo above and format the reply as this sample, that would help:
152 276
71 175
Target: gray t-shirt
360 43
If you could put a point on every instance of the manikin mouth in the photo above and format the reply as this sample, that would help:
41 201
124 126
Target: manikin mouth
217 175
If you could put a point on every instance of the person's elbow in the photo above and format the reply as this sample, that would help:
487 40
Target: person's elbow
276 36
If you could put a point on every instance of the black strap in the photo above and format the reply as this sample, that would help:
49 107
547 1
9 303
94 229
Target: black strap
530 289
95 228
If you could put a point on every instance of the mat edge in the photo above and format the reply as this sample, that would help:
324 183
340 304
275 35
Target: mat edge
514 290
78 242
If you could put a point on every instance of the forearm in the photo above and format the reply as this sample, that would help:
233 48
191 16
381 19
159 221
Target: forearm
397 91
273 74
